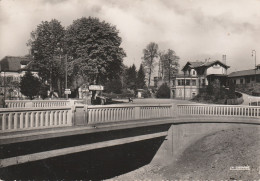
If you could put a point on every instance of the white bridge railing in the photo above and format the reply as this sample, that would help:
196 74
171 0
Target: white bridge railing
38 103
99 114
34 118
18 119
218 110
254 101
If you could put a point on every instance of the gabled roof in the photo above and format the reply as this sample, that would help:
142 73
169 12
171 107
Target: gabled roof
198 64
13 64
244 73
31 66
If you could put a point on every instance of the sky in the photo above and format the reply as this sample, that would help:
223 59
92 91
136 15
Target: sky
194 29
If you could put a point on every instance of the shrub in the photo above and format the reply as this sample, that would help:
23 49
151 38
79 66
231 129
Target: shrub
163 91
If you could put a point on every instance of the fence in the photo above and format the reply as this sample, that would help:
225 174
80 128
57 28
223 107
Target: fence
218 110
34 118
99 114
38 103
254 101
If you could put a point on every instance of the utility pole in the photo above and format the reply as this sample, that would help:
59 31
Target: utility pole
66 76
4 85
253 51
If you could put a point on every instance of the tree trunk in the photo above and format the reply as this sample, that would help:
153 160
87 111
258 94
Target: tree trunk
149 80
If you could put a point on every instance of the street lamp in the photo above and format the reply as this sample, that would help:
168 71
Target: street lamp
254 52
66 71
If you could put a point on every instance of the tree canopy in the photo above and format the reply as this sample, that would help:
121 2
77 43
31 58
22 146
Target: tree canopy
170 64
30 85
131 76
140 78
94 50
46 43
149 54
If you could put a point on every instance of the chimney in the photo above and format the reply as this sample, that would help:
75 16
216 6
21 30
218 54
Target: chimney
224 59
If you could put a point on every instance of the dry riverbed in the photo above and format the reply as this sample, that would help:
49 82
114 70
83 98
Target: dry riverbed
218 156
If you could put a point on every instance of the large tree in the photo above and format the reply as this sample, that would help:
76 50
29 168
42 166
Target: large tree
170 64
30 85
46 45
94 50
140 78
131 75
149 58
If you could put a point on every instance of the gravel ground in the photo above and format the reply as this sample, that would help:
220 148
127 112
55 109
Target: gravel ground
210 158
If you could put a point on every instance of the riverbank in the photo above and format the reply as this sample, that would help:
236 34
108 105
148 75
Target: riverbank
217 156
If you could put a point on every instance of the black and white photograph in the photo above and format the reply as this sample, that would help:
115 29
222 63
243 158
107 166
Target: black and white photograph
119 90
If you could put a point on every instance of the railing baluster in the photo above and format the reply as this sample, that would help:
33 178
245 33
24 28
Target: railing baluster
10 121
15 120
3 121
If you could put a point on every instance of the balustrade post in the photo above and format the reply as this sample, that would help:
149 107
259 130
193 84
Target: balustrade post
137 111
73 112
174 110
29 104
86 116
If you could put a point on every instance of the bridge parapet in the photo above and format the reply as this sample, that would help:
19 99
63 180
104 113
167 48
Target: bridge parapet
112 113
254 100
218 110
39 103
18 119
34 118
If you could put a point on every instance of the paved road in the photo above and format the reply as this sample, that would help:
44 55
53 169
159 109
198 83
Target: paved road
155 101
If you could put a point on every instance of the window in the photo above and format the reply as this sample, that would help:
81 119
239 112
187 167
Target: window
179 82
241 81
182 82
203 81
187 82
258 78
193 72
235 82
248 80
194 82
253 78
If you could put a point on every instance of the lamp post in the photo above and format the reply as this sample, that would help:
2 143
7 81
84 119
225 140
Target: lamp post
4 85
66 75
66 69
254 52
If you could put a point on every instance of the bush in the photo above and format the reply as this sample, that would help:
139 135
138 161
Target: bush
163 91
147 94
30 85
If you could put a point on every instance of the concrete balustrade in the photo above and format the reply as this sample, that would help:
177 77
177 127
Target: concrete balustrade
254 101
34 118
99 114
38 103
219 110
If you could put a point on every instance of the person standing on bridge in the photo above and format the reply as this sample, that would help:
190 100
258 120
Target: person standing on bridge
2 100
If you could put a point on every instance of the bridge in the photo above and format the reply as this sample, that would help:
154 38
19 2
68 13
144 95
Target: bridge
45 134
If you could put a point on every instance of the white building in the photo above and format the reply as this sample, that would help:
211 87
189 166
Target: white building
197 75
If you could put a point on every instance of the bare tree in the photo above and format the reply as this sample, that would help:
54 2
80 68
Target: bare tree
149 58
170 64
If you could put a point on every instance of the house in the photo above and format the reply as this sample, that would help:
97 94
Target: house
11 70
197 75
245 77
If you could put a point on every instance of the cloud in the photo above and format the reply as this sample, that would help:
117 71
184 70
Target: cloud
193 29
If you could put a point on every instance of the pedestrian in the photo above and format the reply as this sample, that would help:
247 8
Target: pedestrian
2 100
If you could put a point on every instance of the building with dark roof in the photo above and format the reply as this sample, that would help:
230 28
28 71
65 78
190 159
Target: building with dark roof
244 77
197 75
11 70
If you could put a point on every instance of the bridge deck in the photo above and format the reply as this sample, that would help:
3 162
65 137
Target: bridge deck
30 135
